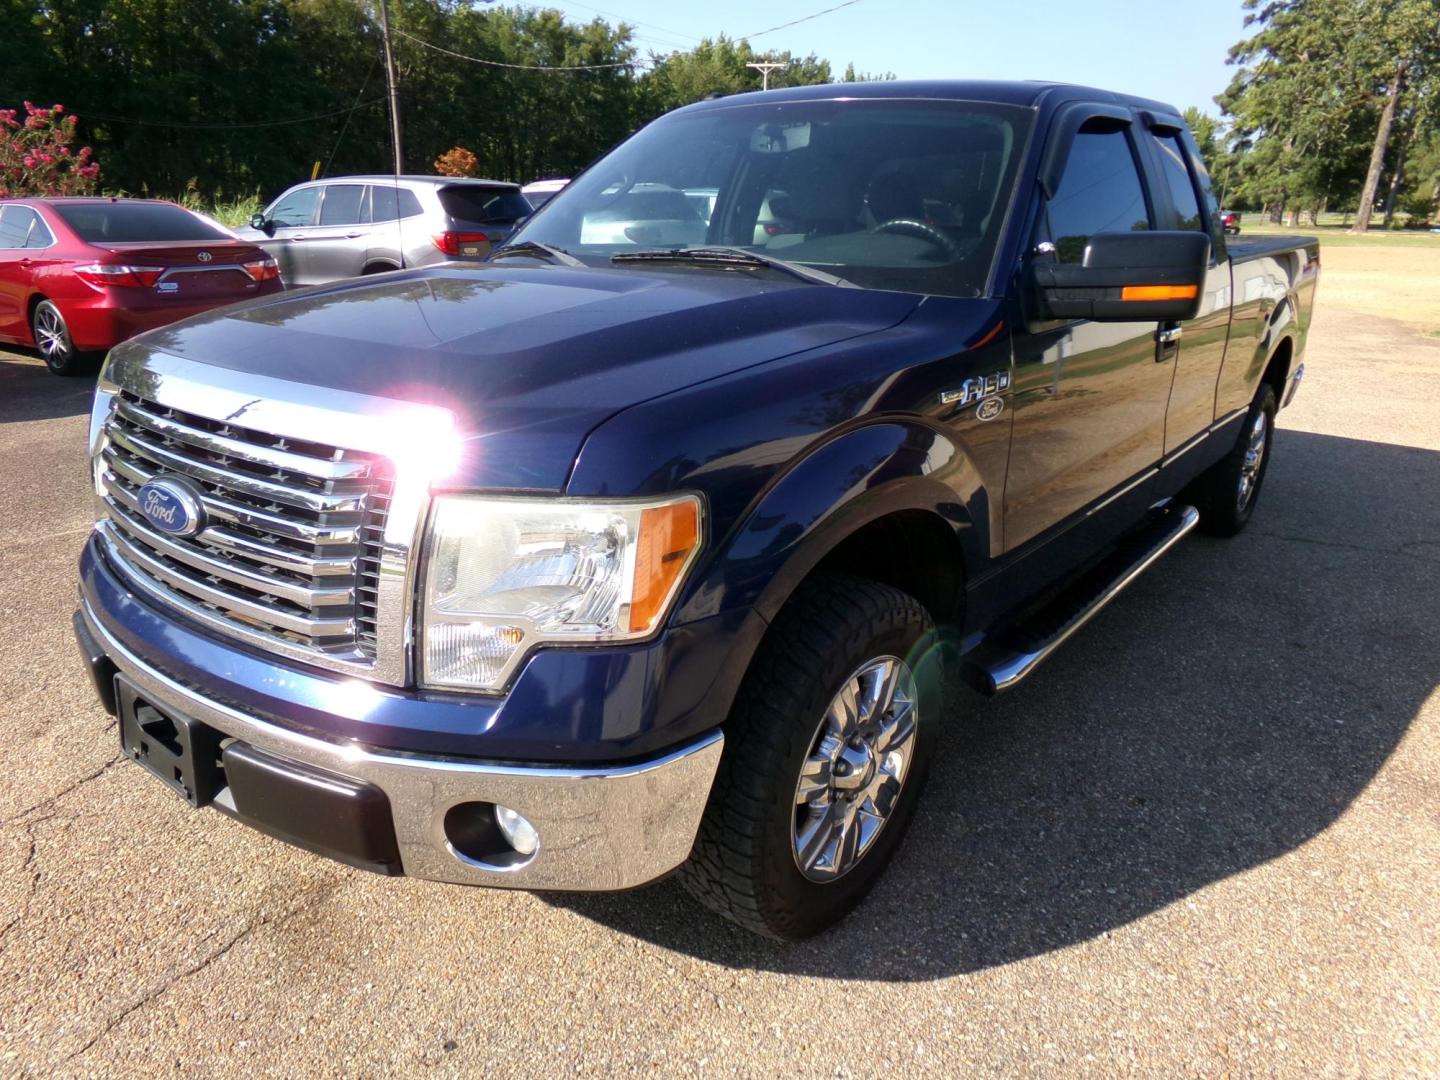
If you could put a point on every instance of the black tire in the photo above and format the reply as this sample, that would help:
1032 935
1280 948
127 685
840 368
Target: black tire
1216 493
52 337
744 865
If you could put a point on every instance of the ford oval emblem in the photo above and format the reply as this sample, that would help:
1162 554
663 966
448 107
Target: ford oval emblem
172 506
990 408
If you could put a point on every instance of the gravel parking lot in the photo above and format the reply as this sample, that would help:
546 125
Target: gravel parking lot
1203 840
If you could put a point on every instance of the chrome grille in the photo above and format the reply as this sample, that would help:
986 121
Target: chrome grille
293 542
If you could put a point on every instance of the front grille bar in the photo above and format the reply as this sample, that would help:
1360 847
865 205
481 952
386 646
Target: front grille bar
224 600
243 483
226 446
241 514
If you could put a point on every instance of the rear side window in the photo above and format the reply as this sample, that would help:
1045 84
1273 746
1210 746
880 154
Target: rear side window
342 204
19 226
488 206
1099 192
1177 179
389 202
135 223
296 208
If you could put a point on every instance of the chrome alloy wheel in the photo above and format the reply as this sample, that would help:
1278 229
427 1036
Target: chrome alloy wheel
51 335
858 760
1254 458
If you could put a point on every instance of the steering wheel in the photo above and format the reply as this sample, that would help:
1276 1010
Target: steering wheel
921 231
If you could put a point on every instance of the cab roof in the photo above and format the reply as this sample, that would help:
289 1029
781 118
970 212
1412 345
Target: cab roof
1029 93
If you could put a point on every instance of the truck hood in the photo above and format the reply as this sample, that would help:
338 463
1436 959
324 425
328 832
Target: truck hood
528 359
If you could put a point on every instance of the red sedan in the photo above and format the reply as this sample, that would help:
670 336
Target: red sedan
80 275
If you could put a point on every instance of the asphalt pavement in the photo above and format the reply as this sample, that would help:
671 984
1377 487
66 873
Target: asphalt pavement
1203 840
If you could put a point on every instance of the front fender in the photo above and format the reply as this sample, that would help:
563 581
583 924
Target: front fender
835 489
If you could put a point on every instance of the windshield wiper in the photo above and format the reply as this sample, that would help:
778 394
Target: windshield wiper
733 258
536 249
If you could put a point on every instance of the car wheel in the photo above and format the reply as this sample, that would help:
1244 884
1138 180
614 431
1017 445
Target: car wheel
1226 494
52 338
826 751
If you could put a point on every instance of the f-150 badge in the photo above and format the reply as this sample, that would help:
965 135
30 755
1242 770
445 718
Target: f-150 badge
981 386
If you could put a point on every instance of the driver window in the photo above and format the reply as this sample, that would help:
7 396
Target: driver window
1099 192
295 209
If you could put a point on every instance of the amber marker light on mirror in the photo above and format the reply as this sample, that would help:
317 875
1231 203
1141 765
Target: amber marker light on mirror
669 536
1158 292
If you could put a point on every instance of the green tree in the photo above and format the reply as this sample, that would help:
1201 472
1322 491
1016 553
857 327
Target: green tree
718 67
1318 79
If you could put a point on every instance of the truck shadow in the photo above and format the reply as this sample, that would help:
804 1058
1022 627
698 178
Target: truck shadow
29 392
1224 711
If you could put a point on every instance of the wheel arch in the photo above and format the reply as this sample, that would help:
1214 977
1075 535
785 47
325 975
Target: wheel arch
896 502
1278 366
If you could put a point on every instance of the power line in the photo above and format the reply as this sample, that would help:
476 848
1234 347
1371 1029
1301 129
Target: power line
88 115
797 22
346 126
519 67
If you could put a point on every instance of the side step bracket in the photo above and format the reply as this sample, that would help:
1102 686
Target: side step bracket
1003 660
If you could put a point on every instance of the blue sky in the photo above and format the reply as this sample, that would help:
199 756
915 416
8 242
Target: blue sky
1157 48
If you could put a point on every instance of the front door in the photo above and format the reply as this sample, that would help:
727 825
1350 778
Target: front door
1090 397
291 220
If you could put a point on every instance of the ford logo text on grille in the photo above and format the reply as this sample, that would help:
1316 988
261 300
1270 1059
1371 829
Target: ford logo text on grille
172 506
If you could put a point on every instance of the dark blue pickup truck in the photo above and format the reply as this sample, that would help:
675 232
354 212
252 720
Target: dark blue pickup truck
654 541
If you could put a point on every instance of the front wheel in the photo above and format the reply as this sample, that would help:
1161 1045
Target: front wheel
826 751
52 338
1226 494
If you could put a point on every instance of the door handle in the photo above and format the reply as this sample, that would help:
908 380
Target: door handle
353 235
26 262
294 239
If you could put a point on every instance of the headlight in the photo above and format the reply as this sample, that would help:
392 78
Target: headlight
504 575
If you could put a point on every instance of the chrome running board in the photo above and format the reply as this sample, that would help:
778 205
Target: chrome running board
1001 662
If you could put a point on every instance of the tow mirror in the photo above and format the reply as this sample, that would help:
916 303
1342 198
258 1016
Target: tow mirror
1125 277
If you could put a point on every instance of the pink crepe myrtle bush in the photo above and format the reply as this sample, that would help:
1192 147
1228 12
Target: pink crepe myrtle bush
36 156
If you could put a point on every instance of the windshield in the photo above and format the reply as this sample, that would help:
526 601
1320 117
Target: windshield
893 194
136 222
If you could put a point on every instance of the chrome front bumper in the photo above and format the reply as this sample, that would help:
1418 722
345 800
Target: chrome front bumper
600 828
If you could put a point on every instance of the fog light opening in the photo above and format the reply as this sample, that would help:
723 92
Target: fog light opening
489 836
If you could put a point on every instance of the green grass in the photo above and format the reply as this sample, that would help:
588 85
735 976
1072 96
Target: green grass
1337 235
231 213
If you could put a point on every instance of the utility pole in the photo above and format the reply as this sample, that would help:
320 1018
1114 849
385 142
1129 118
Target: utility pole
393 90
765 68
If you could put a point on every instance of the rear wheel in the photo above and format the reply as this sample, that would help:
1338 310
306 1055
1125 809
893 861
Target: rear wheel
1226 494
826 751
52 338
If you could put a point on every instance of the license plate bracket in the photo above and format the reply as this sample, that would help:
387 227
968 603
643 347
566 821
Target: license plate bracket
183 754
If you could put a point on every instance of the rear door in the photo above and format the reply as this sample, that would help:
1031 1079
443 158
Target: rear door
1196 347
335 247
1090 398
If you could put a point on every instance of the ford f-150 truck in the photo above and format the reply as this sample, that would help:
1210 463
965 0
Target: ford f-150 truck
654 541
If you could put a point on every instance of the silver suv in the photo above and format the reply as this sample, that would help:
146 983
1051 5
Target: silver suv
350 225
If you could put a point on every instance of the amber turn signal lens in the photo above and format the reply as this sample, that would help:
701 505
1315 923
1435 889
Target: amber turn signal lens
668 537
1158 292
